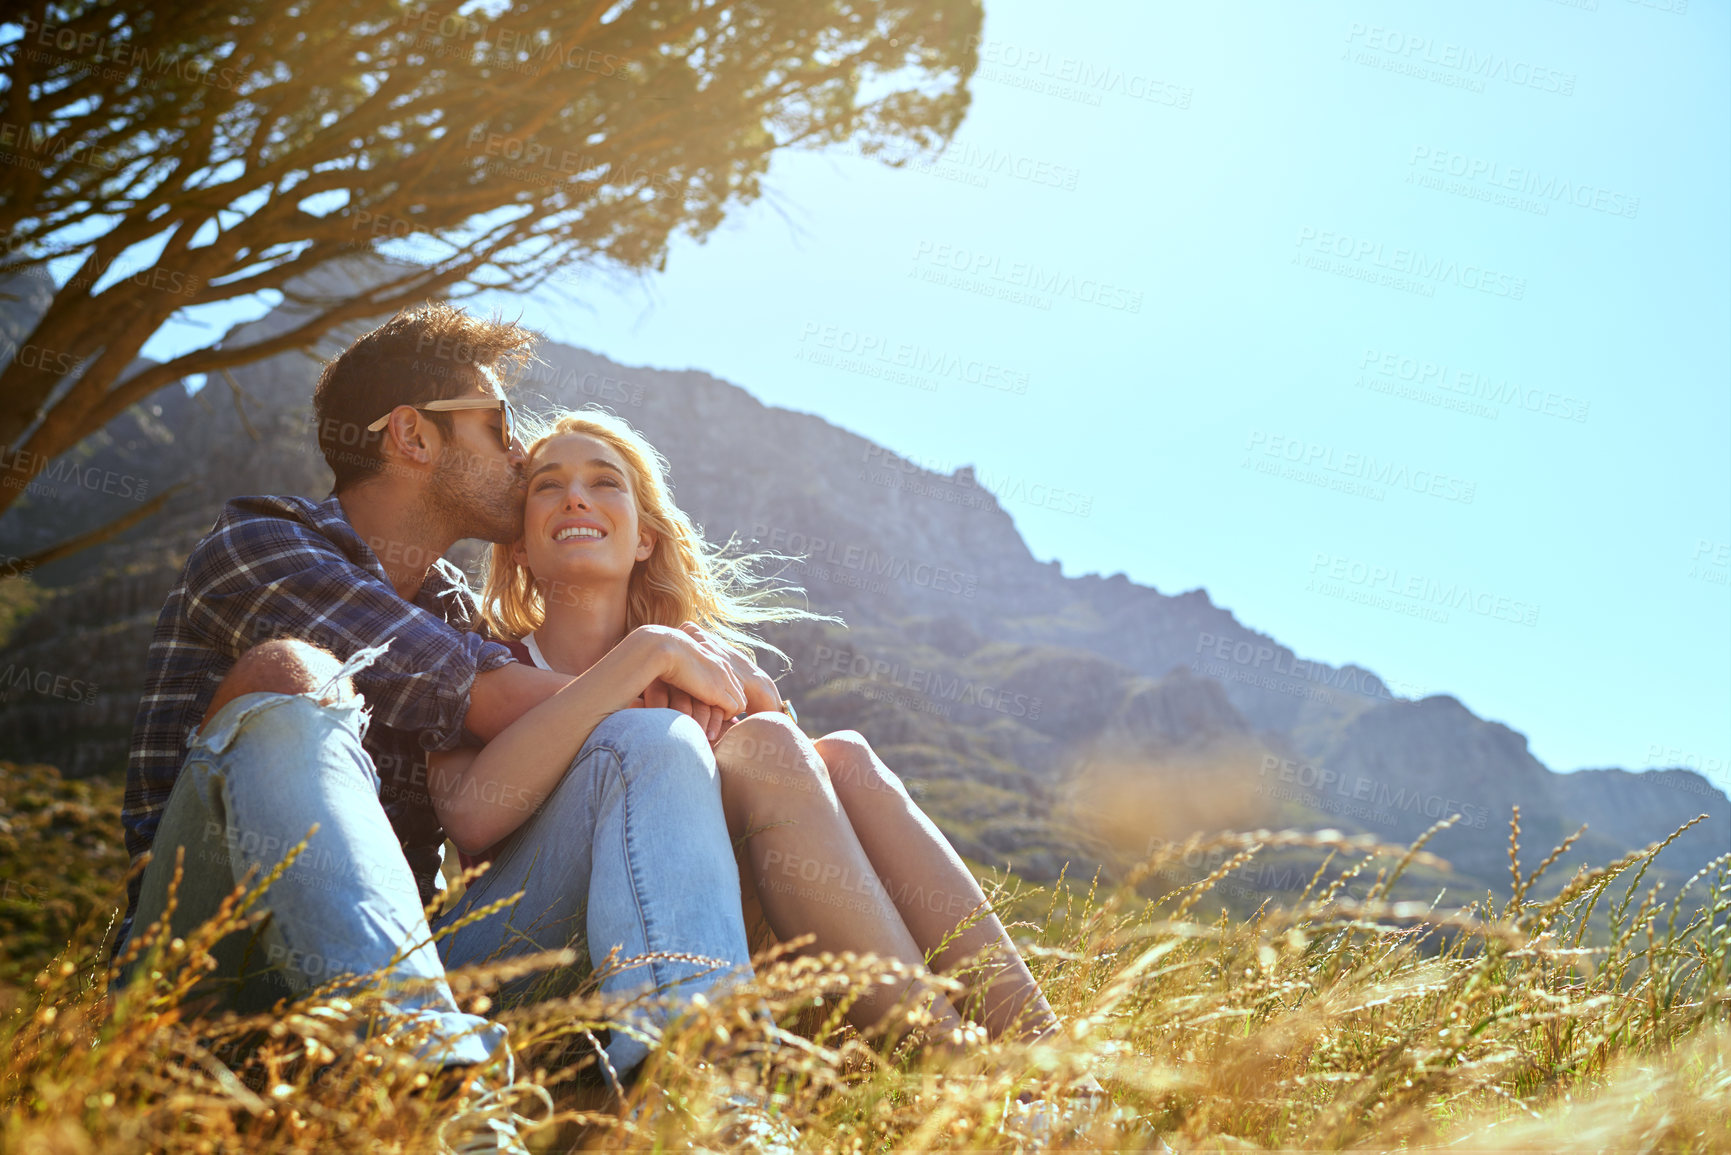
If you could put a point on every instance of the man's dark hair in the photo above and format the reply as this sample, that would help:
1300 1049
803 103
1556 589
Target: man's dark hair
432 353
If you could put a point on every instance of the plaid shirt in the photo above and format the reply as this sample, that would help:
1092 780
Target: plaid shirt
283 567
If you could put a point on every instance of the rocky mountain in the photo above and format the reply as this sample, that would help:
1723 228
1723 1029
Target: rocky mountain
1041 719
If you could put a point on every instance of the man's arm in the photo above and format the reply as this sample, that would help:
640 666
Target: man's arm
262 577
500 697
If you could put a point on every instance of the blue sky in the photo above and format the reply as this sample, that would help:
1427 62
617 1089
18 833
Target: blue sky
1428 362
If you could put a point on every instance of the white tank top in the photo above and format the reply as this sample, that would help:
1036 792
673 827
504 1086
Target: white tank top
535 654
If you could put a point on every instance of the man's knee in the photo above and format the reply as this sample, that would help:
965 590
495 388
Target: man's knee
279 666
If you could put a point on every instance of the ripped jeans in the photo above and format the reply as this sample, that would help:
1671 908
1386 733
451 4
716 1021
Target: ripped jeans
630 850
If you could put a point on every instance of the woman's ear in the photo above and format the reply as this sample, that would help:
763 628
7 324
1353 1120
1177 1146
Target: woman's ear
645 545
520 553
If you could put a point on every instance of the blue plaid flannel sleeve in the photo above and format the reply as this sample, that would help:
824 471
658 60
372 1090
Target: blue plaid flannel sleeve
273 577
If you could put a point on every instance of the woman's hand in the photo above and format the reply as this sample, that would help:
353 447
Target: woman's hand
761 693
712 719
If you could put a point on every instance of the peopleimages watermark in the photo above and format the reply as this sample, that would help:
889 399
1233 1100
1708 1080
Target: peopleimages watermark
408 239
47 683
1663 756
1409 270
531 51
1253 657
317 867
163 280
1438 383
91 54
856 565
446 357
848 352
1480 179
1225 672
1071 78
1711 562
333 437
909 700
31 145
956 484
1349 472
1669 7
411 555
1382 279
831 884
1255 879
905 362
935 685
593 386
1414 595
15 250
975 165
160 277
1381 803
17 891
1447 63
42 359
975 160
524 159
385 227
1392 387
42 476
958 491
1018 282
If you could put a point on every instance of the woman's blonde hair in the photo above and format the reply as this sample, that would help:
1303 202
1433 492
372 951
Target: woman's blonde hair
685 579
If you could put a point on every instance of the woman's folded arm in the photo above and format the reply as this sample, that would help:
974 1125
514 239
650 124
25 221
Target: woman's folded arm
483 795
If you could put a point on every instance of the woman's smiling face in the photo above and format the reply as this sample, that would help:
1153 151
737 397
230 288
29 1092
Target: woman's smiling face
580 521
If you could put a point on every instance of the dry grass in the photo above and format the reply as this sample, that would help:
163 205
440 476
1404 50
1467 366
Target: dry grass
1595 1019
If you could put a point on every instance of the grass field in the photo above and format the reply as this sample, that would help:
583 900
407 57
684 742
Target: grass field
1594 1019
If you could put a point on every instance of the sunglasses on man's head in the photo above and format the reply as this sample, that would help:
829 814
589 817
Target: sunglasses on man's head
507 423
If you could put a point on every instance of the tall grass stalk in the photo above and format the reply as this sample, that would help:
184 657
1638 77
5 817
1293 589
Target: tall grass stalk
1331 1023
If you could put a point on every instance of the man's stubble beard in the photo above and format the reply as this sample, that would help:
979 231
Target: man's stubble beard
474 500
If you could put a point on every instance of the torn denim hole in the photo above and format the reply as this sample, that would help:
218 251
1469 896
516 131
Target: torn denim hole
358 661
219 733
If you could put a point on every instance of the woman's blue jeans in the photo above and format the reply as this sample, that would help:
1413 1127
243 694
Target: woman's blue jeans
630 850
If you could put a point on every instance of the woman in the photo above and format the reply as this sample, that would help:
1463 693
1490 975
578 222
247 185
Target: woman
829 842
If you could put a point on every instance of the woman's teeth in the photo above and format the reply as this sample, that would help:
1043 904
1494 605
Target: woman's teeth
577 531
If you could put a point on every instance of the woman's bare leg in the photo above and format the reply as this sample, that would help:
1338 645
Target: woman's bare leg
810 873
933 889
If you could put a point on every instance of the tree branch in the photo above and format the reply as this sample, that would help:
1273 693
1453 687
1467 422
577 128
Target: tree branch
102 532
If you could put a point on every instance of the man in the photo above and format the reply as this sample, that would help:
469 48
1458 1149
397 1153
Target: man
312 653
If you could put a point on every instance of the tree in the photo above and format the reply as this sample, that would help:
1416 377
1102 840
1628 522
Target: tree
181 155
